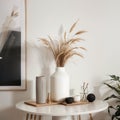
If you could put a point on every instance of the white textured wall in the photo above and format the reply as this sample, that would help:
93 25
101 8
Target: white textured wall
99 17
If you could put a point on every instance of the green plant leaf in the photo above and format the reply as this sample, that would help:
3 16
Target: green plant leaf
113 116
112 96
116 115
114 88
109 108
115 78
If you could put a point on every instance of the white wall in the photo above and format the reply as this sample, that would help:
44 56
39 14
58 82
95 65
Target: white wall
101 20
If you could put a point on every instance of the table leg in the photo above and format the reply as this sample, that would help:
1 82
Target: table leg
31 116
39 117
27 115
72 117
91 118
79 117
59 118
34 117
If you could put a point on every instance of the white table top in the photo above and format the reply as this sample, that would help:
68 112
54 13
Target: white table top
61 110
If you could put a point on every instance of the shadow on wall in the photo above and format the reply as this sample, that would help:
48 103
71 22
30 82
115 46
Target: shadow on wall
8 110
9 99
102 116
40 61
97 92
10 113
22 96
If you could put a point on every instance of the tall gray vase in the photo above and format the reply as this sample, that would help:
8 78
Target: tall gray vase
41 89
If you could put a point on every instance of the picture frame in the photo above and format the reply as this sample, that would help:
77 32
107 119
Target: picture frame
13 45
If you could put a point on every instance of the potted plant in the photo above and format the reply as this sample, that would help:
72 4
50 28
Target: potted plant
114 84
63 49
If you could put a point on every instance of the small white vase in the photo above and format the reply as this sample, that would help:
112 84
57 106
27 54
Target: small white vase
59 85
77 98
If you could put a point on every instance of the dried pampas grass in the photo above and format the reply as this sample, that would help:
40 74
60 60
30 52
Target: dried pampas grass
65 48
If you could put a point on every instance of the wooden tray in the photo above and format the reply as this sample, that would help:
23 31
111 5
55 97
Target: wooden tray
75 103
33 103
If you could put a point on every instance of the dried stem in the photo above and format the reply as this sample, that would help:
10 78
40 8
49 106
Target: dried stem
65 48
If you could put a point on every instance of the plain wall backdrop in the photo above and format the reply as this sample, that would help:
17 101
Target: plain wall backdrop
100 18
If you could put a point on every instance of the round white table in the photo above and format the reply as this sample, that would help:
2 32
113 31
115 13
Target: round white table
61 112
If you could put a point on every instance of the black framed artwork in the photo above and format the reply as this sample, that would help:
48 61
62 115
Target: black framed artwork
12 44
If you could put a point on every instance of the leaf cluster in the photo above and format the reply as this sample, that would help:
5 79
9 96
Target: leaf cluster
116 88
65 48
